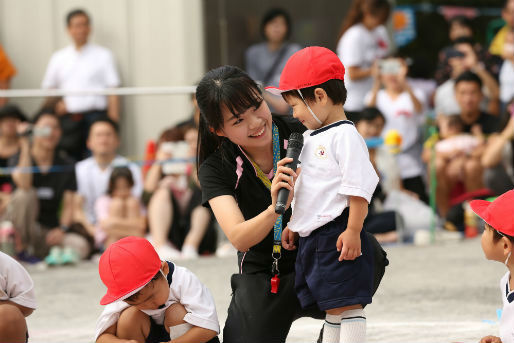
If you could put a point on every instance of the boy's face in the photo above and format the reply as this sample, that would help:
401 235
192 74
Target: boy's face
302 113
154 295
493 250
370 128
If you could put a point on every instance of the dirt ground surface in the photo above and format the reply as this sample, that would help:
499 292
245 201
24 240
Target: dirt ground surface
446 292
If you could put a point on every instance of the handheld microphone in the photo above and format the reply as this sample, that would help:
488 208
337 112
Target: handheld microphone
294 147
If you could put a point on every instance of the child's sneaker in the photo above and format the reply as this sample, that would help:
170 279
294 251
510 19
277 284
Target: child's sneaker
189 252
54 258
168 253
69 256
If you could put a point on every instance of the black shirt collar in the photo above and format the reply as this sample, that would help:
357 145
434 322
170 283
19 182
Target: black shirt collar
325 128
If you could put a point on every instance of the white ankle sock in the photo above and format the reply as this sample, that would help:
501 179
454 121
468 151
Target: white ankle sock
331 328
179 330
353 327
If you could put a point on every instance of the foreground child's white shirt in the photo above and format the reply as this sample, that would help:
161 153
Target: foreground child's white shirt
335 165
507 319
185 289
15 283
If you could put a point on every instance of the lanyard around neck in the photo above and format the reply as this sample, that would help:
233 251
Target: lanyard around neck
277 228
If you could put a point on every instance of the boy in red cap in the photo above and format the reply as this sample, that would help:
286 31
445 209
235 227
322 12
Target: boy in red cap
497 243
335 261
149 300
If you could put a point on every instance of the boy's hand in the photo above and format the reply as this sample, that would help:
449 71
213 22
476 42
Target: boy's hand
349 244
491 339
289 238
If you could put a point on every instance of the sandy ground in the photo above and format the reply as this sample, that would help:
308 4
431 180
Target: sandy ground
446 292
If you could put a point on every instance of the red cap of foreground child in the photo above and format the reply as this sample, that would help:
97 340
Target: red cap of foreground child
126 267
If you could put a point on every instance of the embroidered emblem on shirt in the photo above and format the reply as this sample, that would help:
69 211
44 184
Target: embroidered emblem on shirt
321 152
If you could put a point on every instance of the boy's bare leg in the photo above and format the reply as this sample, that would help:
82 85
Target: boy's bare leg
133 325
13 327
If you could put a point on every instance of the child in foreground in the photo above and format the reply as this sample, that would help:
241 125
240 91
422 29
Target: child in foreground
149 300
334 265
17 300
497 243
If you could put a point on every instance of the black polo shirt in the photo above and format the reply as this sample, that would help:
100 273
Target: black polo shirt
488 123
218 176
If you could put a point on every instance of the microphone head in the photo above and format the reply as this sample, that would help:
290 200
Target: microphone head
295 140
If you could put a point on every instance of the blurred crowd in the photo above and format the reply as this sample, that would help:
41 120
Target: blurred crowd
66 193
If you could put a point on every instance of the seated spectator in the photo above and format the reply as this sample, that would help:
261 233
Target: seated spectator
10 118
17 300
83 65
41 207
464 58
176 217
402 107
459 27
94 172
498 157
468 92
119 214
7 72
497 46
383 224
264 61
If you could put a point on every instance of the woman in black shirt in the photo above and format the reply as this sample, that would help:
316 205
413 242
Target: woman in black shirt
240 145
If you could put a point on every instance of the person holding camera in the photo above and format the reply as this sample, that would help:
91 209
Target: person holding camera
403 107
41 207
463 58
180 227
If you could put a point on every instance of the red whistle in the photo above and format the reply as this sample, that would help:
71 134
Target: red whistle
275 282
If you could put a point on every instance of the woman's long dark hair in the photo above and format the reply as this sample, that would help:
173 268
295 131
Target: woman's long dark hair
356 13
228 87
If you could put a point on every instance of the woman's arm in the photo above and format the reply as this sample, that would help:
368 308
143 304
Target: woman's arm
244 234
154 174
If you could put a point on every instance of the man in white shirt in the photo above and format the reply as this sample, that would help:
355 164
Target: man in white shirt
93 173
83 65
17 300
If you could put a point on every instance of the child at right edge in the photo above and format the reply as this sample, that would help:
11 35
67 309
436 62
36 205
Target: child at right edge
335 261
497 244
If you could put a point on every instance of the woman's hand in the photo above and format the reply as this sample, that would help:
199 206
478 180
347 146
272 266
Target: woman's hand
349 244
289 239
284 178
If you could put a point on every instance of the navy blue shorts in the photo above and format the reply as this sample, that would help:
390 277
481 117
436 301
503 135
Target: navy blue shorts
321 279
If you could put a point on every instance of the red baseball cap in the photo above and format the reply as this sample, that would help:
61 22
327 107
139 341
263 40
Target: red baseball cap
499 213
126 267
308 67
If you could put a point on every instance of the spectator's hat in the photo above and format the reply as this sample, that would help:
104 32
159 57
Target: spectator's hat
308 67
12 111
126 267
499 214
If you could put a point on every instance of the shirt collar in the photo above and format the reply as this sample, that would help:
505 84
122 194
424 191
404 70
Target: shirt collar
325 128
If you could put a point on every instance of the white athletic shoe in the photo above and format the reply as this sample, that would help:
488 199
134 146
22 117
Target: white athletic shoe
168 253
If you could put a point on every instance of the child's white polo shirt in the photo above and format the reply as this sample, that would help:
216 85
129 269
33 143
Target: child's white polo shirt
335 165
507 319
16 284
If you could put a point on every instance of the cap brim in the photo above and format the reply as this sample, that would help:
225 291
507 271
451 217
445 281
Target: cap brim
275 90
480 207
109 298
